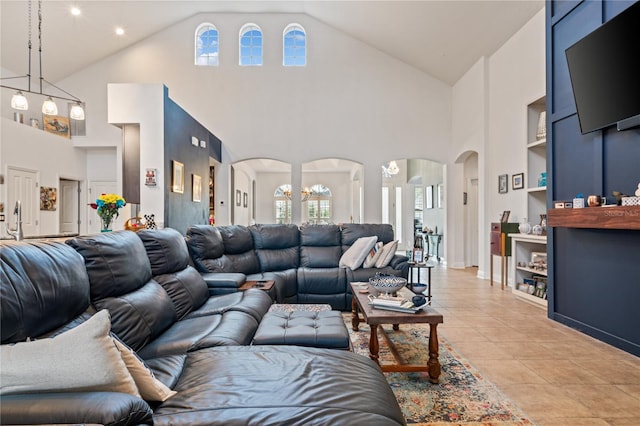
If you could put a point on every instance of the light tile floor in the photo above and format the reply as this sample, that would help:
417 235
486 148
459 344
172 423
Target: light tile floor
557 375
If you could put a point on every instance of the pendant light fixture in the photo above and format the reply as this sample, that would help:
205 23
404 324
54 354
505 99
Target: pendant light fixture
19 101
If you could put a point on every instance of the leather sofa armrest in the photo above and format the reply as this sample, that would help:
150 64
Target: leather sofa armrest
223 281
112 408
397 260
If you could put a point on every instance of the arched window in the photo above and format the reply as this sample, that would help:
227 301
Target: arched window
319 205
282 204
250 45
207 45
294 46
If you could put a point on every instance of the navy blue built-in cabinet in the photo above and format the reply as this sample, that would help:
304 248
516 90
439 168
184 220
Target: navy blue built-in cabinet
594 274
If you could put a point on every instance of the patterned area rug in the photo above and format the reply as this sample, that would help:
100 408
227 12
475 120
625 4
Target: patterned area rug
463 396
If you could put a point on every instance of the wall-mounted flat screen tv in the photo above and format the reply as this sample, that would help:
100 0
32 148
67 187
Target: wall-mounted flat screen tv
605 74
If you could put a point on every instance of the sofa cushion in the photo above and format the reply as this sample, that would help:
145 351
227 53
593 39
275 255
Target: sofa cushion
166 249
373 255
84 358
186 288
233 242
388 251
352 231
277 246
40 280
140 316
204 242
150 388
320 246
355 255
116 262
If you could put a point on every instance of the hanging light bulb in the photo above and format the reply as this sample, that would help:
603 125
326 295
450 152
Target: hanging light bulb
19 101
77 112
49 107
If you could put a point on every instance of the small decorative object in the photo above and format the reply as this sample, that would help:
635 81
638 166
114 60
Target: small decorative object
593 200
517 181
386 283
578 202
638 191
150 221
134 224
418 288
505 216
150 177
543 222
503 185
177 178
542 180
196 188
107 206
537 230
35 123
541 132
418 255
524 227
418 300
48 198
57 124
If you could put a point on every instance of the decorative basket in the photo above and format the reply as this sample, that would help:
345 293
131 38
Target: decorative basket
387 283
134 224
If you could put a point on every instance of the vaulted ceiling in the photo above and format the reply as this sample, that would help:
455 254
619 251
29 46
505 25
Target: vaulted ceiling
443 38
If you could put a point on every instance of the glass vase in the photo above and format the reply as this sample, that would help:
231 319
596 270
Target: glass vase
105 224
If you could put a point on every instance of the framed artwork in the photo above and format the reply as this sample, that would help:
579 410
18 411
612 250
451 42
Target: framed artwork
48 198
177 177
245 199
150 177
517 181
503 184
418 255
57 125
429 195
238 198
505 216
196 188
440 196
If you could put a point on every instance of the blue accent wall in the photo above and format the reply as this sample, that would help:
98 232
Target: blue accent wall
594 273
180 211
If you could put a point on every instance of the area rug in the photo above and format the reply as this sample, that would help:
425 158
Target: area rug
463 396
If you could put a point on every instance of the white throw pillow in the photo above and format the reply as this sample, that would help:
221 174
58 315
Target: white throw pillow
373 255
387 253
151 389
84 358
354 256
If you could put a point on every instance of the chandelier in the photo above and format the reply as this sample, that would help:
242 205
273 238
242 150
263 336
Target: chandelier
19 101
390 169
305 194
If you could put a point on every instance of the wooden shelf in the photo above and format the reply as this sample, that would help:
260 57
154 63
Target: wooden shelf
534 271
529 298
537 189
615 217
540 143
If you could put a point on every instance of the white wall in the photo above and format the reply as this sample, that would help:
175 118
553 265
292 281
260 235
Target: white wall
489 117
351 101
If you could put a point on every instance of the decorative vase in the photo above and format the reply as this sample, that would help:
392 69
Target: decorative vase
105 224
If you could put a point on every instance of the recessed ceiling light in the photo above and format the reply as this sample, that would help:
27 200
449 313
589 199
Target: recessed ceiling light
75 11
119 31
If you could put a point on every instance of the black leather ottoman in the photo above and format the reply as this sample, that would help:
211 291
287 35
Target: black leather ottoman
323 329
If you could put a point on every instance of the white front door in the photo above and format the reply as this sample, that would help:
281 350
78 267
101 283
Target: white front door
95 189
69 206
22 185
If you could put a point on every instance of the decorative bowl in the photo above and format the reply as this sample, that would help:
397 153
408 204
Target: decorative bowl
387 283
418 288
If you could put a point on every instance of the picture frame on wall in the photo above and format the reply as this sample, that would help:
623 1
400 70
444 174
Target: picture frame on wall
238 198
505 216
56 124
440 196
503 184
517 181
177 177
196 188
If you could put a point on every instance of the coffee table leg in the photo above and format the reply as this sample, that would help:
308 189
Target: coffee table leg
433 363
355 320
374 347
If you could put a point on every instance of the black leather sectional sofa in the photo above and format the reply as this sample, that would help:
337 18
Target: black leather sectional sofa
303 261
196 345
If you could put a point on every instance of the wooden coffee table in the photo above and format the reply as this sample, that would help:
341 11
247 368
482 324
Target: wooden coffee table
376 317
